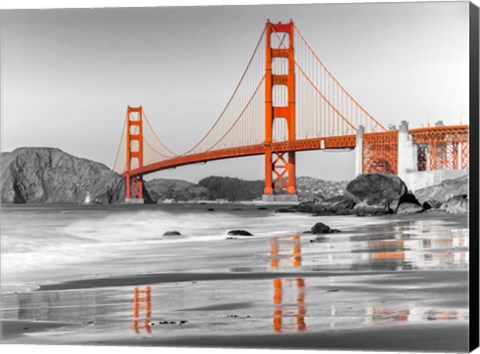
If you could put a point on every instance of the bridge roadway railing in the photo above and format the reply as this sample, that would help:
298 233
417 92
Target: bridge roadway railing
337 142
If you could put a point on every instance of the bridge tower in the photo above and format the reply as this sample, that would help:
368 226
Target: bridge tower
134 184
279 166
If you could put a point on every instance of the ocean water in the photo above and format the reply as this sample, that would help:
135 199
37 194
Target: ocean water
50 243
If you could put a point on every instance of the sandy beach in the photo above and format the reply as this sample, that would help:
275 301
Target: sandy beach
383 283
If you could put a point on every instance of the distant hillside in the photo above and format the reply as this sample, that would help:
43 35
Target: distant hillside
232 189
309 187
178 190
48 175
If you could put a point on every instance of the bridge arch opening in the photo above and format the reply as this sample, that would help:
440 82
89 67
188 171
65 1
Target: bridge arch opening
279 66
280 130
134 146
279 40
280 96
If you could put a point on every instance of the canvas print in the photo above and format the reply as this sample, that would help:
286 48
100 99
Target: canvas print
264 176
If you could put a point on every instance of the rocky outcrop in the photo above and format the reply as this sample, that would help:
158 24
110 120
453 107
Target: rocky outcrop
444 191
456 205
49 175
162 189
377 193
340 205
409 208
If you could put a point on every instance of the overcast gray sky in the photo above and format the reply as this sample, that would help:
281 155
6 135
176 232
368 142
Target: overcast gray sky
68 75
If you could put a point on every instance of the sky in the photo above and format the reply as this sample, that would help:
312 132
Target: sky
68 75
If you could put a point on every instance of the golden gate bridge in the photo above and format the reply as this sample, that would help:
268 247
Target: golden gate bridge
287 101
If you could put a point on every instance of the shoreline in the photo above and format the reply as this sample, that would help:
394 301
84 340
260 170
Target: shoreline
157 278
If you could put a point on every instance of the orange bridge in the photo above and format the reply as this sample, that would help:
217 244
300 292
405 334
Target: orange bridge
288 101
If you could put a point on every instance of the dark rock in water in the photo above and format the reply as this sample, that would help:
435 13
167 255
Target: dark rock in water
409 208
48 175
292 209
210 209
262 208
378 193
239 233
321 228
456 205
172 233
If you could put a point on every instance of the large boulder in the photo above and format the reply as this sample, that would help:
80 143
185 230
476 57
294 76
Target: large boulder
49 175
456 205
377 193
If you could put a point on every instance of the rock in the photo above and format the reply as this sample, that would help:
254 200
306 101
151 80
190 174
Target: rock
172 233
262 208
444 191
456 205
340 205
321 228
365 209
239 233
431 204
210 209
48 175
409 208
408 205
378 193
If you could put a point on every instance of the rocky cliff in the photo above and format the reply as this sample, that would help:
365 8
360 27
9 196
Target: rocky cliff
49 175
443 191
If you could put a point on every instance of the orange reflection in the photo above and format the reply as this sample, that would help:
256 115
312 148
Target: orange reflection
382 250
281 310
441 315
141 309
384 314
381 314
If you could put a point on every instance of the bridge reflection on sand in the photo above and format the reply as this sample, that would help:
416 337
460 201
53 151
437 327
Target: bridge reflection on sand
285 308
373 284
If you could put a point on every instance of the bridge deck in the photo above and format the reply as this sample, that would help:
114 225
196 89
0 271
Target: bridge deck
337 142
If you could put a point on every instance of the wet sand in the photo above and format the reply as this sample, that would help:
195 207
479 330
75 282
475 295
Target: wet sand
398 285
